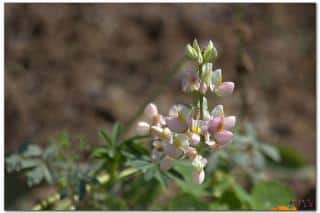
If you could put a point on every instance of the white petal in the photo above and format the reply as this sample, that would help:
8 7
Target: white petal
143 128
217 111
217 77
151 111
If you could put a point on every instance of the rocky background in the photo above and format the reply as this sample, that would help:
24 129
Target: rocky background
79 67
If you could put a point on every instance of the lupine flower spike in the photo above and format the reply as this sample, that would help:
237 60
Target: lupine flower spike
185 129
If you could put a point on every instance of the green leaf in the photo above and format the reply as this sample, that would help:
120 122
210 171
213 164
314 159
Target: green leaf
162 178
243 195
103 152
186 201
187 185
32 151
63 139
116 132
175 174
270 151
105 137
218 206
290 157
150 173
269 194
140 164
47 174
35 176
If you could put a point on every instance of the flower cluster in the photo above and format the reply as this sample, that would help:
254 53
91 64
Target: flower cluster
187 130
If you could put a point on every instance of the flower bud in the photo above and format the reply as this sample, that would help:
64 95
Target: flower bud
151 111
166 134
166 163
198 177
210 52
191 53
143 128
225 89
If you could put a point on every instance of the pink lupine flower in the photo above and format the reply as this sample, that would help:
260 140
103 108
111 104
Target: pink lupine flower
178 118
220 126
190 81
198 165
219 87
225 89
198 177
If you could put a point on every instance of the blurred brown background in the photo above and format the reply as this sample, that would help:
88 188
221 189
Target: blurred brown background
79 67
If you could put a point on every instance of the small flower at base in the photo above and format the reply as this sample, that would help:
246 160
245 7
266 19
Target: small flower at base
143 128
198 177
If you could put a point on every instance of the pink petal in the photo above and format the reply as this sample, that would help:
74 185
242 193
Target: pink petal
175 125
225 89
198 177
213 124
223 137
229 122
195 139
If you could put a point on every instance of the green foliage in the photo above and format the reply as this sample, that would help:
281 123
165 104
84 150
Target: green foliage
187 184
228 193
185 201
58 164
269 194
290 157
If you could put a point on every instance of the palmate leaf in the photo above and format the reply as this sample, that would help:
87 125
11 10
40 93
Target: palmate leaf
270 151
268 194
186 201
32 151
105 137
35 176
187 185
116 132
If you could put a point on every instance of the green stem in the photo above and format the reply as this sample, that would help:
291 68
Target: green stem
201 102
